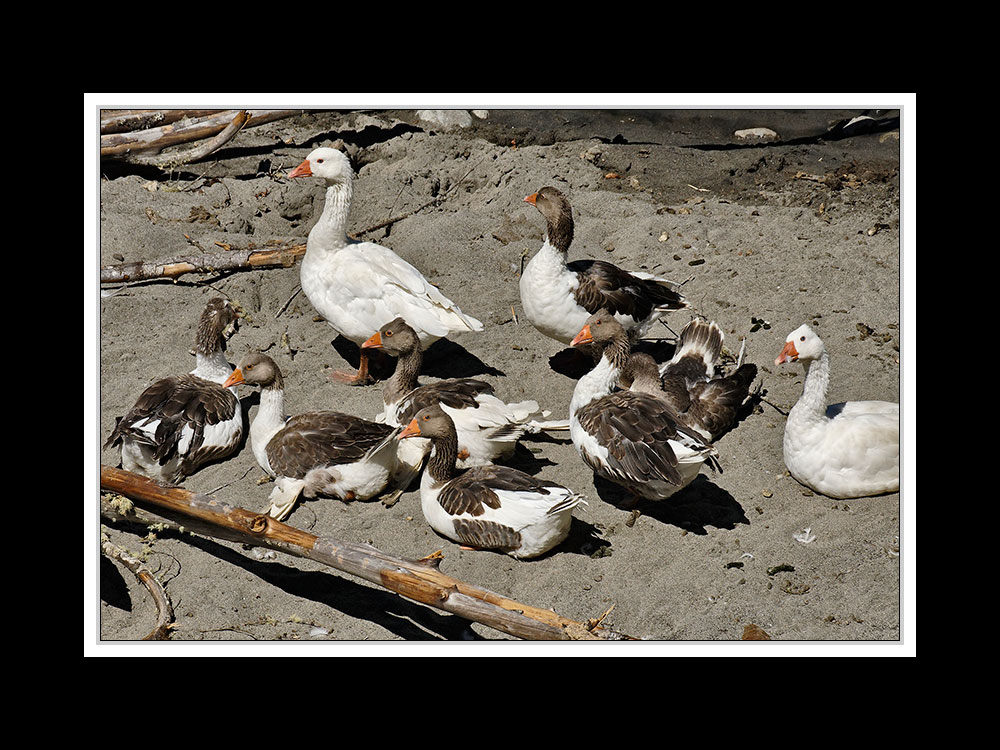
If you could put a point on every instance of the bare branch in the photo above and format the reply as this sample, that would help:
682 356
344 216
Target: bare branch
419 580
164 610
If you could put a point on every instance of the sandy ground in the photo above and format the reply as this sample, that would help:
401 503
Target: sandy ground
765 236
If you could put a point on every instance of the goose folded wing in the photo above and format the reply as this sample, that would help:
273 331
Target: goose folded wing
635 429
173 404
322 439
605 285
456 393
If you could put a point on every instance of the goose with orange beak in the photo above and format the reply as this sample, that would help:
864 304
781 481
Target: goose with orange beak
633 439
488 428
314 453
487 507
359 286
558 295
843 450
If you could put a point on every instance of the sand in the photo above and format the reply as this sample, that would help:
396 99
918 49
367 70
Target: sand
764 234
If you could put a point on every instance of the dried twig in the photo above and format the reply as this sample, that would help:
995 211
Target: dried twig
164 610
418 580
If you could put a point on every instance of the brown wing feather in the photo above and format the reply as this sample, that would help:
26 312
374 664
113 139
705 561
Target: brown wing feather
457 393
605 285
635 428
177 402
715 404
475 489
323 438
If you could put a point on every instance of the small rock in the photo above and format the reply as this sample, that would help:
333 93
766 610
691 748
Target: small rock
755 633
762 133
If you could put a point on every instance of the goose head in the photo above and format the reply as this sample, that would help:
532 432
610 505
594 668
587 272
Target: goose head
552 205
600 330
216 319
429 422
255 369
329 163
801 345
395 337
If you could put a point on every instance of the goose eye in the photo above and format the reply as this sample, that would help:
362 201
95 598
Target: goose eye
388 334
319 161
802 338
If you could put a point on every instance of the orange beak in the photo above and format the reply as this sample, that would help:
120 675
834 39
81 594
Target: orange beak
531 198
788 354
303 170
375 342
412 430
583 337
235 379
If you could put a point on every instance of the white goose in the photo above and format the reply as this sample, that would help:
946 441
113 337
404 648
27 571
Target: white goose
183 421
558 297
706 400
630 438
844 450
487 507
359 286
488 428
314 453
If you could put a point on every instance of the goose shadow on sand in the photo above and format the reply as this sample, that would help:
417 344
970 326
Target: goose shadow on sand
699 505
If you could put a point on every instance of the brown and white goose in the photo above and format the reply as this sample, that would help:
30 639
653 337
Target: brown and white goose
314 453
627 437
558 296
704 399
488 428
359 286
487 507
183 421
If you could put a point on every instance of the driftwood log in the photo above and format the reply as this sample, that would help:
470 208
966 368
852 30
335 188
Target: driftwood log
419 580
232 259
192 125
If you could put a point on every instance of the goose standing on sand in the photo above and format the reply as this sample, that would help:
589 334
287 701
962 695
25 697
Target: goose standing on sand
844 450
488 428
487 507
631 438
183 421
558 296
705 400
359 286
313 453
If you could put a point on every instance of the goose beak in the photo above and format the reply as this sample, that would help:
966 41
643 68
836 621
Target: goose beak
375 342
583 337
412 430
235 379
788 354
303 170
531 198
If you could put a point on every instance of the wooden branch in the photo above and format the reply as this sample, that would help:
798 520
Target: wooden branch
419 580
164 610
198 152
232 259
125 145
124 120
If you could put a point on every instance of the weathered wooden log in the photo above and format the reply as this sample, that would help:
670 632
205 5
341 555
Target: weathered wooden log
122 145
124 120
232 259
419 580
